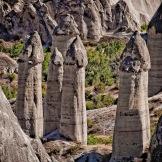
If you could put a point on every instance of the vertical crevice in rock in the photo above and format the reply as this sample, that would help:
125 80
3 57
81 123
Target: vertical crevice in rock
29 108
132 126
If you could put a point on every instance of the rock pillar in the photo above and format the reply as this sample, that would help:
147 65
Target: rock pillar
65 102
155 48
132 126
52 111
29 108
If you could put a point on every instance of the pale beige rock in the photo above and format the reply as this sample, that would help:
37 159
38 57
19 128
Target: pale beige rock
155 48
27 17
132 126
52 110
14 144
29 108
73 123
65 102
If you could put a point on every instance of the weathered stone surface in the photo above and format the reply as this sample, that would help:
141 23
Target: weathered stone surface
73 124
132 126
155 47
66 100
14 144
123 19
26 17
29 108
95 17
52 110
7 64
40 151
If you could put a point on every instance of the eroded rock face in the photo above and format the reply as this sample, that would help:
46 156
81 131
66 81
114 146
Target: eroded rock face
29 108
123 19
7 64
26 17
68 64
95 17
132 126
14 145
40 151
52 110
73 124
155 47
91 16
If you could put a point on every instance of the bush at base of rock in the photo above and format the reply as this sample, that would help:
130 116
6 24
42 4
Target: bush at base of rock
99 101
9 91
96 139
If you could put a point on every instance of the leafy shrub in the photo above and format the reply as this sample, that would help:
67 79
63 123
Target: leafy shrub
100 101
90 105
9 91
99 71
96 139
11 76
112 49
144 27
108 100
47 58
90 123
88 95
16 49
100 87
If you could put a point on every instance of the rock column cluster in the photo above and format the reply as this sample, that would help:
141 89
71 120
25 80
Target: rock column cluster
29 109
65 108
132 126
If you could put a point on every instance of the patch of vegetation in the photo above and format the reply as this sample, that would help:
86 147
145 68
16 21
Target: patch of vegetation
11 76
99 71
17 49
144 27
98 101
9 91
90 105
153 126
96 139
14 51
44 88
90 123
47 58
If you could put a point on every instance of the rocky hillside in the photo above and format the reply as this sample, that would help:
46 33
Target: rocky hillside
94 18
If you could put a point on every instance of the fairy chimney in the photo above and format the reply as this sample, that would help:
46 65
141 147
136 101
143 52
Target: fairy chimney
29 108
68 64
132 126
155 49
52 111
